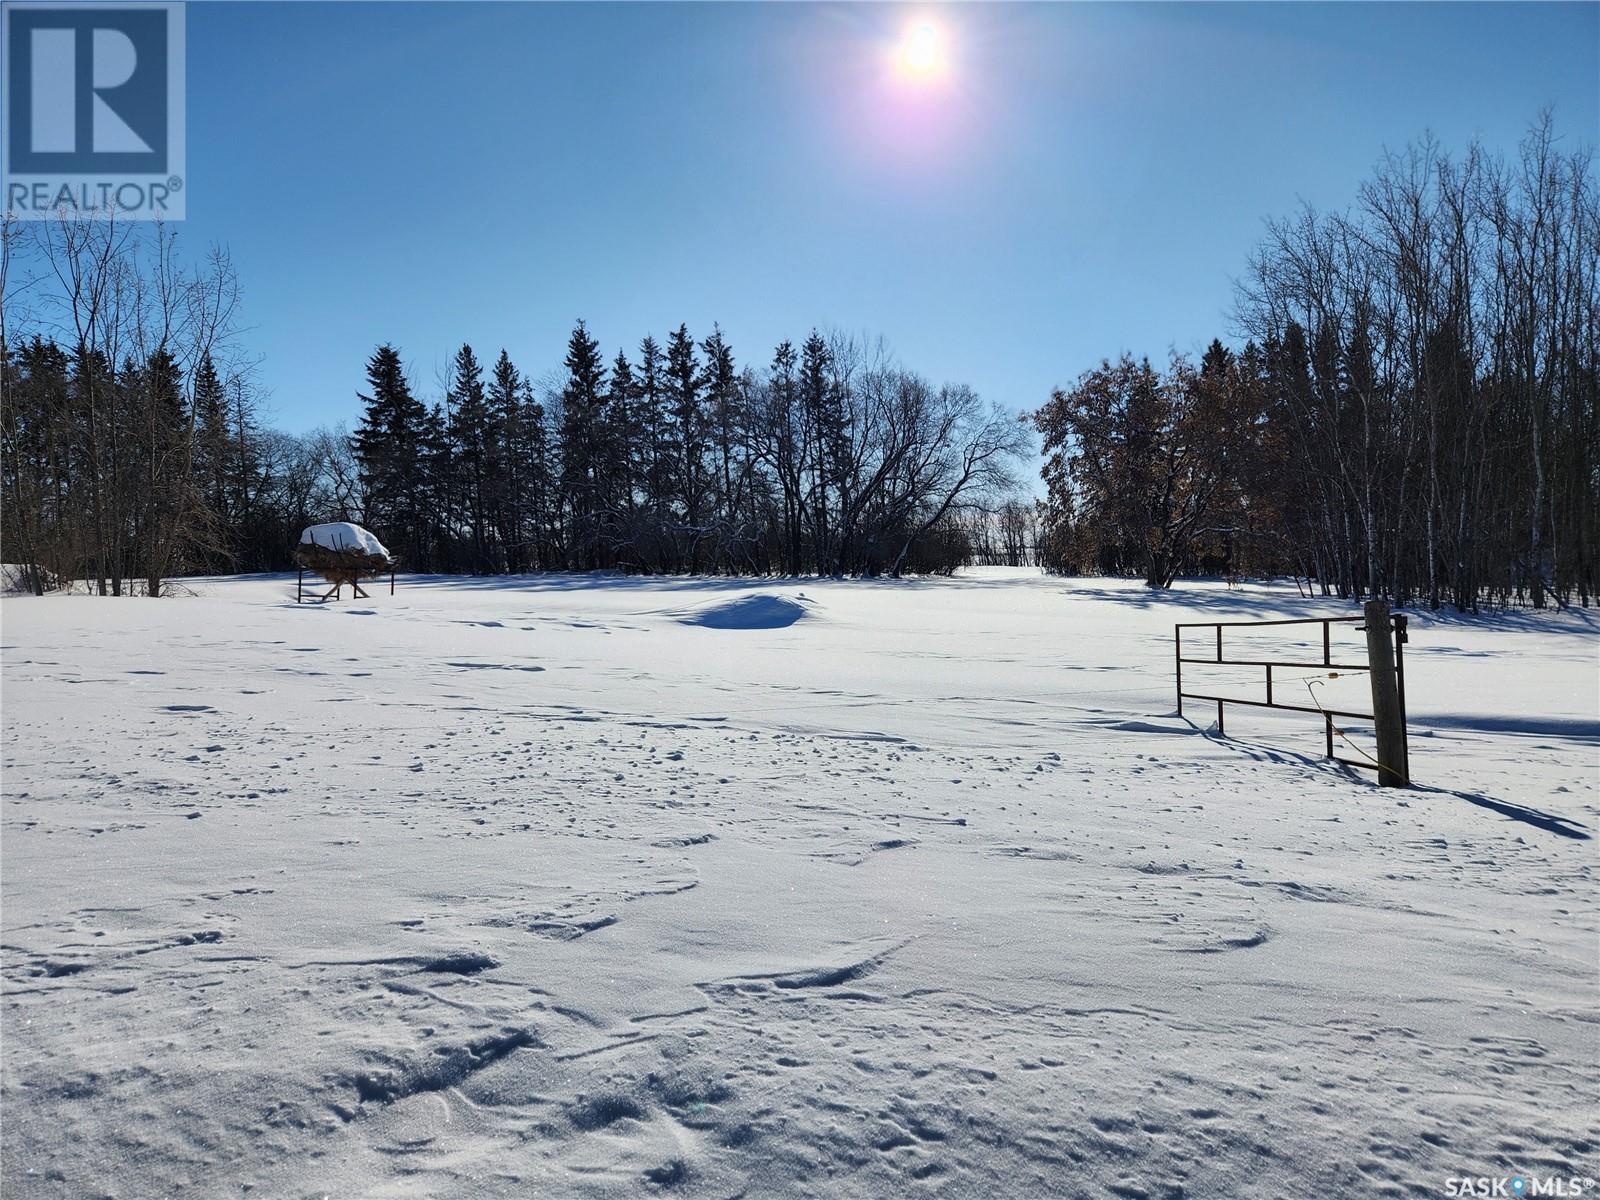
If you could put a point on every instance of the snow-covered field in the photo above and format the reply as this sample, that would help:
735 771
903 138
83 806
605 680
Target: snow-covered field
569 887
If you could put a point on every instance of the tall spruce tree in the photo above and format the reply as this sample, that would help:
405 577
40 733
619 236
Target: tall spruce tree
721 384
388 445
532 452
785 449
472 439
654 452
623 431
436 491
687 425
583 449
505 469
214 444
820 405
169 521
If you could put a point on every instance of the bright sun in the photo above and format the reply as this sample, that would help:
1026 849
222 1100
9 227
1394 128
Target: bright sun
922 52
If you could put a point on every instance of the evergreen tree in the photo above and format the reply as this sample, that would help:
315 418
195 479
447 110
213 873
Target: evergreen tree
623 430
436 491
654 453
721 383
38 437
506 468
583 451
533 454
388 445
784 446
472 438
213 450
169 521
823 427
687 435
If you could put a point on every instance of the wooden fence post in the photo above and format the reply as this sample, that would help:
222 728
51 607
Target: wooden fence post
1388 718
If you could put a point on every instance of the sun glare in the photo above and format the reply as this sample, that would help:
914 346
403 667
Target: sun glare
922 52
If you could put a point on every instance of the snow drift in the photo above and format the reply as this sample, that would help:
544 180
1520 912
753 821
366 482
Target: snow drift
762 611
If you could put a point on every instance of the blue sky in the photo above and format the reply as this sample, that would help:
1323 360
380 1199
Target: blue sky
1083 179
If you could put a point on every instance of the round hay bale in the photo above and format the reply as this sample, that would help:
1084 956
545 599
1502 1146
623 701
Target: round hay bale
347 564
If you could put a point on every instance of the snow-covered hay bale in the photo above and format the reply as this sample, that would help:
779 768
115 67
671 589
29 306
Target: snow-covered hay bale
342 553
762 611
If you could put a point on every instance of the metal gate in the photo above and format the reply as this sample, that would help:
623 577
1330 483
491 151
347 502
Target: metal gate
1327 666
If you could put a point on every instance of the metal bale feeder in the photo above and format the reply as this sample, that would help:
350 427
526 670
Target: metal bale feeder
342 553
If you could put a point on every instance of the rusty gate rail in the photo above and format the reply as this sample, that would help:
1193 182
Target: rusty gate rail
1327 665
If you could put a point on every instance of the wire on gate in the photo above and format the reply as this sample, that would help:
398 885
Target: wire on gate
1311 681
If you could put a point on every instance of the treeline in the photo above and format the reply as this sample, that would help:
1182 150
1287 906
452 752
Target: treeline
112 435
132 450
1415 414
831 460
